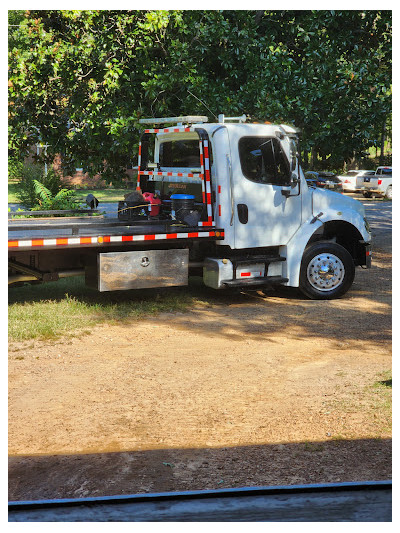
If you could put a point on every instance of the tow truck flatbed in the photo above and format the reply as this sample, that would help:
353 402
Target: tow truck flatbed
34 234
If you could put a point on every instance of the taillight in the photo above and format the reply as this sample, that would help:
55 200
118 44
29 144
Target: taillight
347 181
379 182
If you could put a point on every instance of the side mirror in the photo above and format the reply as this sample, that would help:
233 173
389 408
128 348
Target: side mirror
294 180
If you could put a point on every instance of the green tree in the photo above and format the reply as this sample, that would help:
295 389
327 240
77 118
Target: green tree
80 80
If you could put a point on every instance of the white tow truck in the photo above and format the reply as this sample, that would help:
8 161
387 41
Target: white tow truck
225 200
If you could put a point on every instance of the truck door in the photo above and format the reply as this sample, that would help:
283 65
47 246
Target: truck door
261 170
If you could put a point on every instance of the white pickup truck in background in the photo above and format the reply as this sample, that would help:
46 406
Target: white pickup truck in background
380 184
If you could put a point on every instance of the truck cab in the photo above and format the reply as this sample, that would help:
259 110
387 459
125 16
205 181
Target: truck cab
249 181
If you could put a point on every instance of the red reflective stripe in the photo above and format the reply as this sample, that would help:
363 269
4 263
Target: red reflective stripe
219 210
206 151
118 238
209 198
140 149
244 274
219 189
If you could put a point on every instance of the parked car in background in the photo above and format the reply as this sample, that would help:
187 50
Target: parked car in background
380 184
324 180
353 180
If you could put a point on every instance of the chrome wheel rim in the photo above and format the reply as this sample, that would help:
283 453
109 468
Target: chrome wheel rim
325 272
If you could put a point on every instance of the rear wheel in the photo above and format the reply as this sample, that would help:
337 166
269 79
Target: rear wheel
367 194
327 271
388 194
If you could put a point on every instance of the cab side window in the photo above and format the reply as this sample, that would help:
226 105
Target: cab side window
263 160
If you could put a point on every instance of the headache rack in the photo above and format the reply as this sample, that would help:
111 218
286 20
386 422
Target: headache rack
184 124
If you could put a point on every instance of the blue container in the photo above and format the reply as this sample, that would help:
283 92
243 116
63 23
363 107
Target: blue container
181 205
182 197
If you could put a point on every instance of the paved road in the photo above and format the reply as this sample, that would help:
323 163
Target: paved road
379 215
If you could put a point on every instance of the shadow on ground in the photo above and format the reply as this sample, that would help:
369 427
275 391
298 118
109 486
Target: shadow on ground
169 470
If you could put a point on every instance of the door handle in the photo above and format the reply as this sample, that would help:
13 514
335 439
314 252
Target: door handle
243 213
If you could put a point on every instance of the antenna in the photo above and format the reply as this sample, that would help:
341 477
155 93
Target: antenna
201 101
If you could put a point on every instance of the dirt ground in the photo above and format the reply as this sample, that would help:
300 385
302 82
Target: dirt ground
245 390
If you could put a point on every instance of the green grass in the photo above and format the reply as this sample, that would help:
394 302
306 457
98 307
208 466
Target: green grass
68 307
103 195
12 191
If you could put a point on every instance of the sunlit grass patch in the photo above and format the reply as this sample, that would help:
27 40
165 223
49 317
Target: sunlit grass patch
67 307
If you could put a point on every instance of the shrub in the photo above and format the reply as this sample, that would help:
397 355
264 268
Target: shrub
32 172
64 199
15 168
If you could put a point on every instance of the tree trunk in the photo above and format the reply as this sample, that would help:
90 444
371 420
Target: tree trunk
313 158
383 139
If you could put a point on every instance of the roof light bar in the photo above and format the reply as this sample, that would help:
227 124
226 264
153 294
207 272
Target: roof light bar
188 119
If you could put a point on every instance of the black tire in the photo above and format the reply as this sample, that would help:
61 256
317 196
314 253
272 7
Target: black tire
327 271
367 194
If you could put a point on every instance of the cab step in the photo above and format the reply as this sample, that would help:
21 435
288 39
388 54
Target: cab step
257 259
256 282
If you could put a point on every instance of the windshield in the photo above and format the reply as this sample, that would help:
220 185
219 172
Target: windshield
384 171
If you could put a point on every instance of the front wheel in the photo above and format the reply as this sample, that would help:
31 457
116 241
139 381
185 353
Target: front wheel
327 271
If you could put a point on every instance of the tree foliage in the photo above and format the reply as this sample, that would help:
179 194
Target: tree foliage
80 80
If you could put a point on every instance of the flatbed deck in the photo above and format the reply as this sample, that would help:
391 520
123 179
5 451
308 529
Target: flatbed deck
51 233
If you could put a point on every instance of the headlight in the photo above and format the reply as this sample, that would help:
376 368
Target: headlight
367 226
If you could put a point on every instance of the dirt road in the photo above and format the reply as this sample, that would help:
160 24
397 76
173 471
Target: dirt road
245 390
